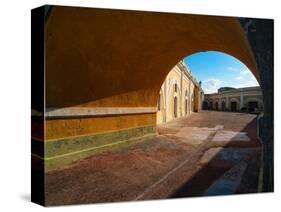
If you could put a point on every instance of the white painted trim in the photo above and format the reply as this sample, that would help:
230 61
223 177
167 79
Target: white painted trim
97 111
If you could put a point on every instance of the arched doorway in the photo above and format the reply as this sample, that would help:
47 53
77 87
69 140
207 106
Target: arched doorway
223 106
211 105
252 106
192 102
186 106
217 106
175 107
205 105
233 106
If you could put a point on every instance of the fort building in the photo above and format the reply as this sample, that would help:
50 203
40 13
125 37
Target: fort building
247 99
180 94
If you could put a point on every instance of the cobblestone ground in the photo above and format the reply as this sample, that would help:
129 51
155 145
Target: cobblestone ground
206 153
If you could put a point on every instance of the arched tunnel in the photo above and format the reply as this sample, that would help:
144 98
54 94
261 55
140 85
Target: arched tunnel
104 69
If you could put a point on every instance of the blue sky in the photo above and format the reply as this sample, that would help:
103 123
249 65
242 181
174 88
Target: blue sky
216 69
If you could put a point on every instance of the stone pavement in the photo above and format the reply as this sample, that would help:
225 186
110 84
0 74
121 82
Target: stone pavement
206 153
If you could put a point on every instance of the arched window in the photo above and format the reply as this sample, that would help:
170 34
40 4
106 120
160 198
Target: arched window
176 87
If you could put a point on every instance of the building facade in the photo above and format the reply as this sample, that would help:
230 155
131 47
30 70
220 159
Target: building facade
248 99
180 94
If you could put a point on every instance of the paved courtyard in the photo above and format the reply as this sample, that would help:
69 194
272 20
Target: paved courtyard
206 153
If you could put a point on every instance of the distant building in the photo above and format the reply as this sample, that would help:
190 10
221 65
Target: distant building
248 99
179 96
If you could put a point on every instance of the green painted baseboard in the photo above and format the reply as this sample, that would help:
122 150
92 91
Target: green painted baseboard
62 152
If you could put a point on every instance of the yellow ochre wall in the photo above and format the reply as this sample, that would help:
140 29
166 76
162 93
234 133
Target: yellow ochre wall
187 89
61 128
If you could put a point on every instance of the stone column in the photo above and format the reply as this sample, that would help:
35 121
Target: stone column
260 36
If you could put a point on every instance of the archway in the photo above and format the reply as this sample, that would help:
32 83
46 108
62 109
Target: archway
186 102
205 105
254 104
217 106
211 105
223 106
186 106
226 35
102 85
115 86
233 106
175 107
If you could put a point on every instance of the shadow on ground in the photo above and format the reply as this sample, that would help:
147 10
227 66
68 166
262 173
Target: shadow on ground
220 176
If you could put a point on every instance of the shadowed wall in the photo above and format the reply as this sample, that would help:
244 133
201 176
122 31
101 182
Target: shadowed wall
106 58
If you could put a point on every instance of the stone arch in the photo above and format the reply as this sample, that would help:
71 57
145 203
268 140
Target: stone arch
192 102
186 101
150 50
98 63
211 106
171 81
216 105
223 105
171 87
205 105
231 104
186 106
253 99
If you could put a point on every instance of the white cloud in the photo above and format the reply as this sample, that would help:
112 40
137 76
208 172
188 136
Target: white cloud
230 68
252 77
239 78
244 78
245 72
211 85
